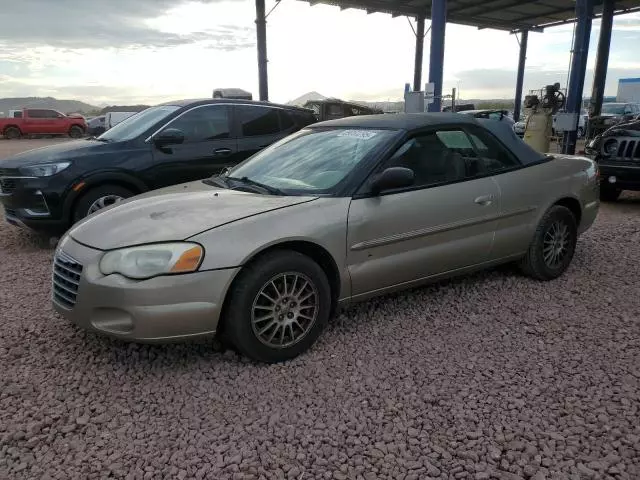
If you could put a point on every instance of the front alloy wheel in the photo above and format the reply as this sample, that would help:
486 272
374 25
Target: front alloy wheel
103 202
284 310
277 306
97 198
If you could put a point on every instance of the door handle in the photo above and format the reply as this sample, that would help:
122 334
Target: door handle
484 200
222 151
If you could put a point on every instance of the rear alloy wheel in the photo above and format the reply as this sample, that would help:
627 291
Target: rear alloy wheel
76 132
553 245
609 194
12 133
98 198
278 307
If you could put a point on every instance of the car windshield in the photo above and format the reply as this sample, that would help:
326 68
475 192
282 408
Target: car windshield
311 160
613 108
137 124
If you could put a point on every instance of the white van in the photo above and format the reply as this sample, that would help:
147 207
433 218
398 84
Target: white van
235 93
113 118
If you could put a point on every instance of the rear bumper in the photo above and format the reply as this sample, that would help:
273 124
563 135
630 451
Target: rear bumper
624 177
589 214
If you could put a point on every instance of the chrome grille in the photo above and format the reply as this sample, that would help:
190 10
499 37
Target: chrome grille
66 279
626 149
7 185
8 179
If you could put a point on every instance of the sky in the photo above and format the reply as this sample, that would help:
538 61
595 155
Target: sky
151 51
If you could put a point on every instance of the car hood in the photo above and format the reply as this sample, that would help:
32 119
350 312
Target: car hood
54 153
173 213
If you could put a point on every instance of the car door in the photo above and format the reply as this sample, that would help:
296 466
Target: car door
59 122
444 222
207 149
36 122
522 191
257 127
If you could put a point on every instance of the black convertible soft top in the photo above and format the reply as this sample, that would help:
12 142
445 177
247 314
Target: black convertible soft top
412 121
506 135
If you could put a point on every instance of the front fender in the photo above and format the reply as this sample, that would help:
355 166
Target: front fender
322 223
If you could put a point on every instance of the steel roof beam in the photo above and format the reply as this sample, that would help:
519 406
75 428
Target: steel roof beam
483 7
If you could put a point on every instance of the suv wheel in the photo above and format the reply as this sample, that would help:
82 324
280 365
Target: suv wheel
98 198
278 307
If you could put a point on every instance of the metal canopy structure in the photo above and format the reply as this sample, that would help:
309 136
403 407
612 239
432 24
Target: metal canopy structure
510 15
515 16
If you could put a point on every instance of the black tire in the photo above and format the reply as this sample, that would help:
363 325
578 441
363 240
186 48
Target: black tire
76 132
534 264
580 132
82 206
609 194
12 133
247 289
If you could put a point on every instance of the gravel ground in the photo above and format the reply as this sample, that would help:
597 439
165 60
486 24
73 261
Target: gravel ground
490 376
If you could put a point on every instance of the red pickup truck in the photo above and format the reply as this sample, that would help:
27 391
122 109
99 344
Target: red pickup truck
40 121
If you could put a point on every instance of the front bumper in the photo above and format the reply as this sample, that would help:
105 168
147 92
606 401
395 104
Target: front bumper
28 203
622 175
156 310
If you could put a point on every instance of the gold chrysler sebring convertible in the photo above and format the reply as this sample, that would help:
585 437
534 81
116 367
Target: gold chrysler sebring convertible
263 253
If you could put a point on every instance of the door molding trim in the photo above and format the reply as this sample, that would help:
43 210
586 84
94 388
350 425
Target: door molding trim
424 232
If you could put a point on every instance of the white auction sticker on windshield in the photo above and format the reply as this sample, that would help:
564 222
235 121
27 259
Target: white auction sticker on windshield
363 134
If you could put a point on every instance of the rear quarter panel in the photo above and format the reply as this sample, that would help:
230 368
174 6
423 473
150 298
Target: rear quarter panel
322 222
528 193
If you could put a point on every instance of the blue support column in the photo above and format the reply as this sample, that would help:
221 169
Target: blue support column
602 58
436 57
520 79
584 14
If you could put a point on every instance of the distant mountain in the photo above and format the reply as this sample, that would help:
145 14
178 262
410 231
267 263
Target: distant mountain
63 106
306 97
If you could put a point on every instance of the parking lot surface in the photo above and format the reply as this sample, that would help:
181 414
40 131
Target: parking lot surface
489 376
11 147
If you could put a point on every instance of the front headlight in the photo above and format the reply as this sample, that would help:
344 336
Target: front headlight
152 260
44 170
610 147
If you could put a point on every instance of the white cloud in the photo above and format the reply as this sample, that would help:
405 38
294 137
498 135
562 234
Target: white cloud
338 53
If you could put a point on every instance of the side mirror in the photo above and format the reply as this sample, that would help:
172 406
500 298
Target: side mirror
170 136
391 178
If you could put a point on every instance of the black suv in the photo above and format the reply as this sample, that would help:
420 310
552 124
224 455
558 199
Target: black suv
49 189
617 152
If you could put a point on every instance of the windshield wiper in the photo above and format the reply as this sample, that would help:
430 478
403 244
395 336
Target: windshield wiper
248 181
216 181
